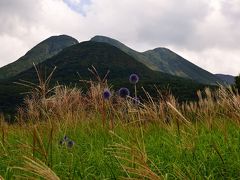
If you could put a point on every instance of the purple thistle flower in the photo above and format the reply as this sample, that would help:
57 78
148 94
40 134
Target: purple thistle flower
133 78
65 138
61 142
123 92
67 142
106 94
70 144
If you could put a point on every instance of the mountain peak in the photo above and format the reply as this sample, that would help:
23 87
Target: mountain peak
54 44
108 40
62 37
161 49
98 37
42 51
164 60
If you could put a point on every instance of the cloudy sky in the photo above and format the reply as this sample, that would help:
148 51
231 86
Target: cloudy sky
206 32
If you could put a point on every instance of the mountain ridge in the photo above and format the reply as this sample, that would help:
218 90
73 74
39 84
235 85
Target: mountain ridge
72 65
167 61
228 79
40 52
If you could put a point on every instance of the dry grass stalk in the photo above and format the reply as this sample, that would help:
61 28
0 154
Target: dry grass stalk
133 159
70 104
37 168
38 144
4 130
42 88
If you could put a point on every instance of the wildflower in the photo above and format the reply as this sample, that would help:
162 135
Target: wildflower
133 78
61 142
123 92
70 144
106 94
65 138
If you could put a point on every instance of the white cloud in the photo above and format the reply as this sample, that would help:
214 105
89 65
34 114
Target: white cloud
213 59
207 32
11 48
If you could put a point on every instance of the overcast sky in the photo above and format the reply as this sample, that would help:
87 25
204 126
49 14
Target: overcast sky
206 32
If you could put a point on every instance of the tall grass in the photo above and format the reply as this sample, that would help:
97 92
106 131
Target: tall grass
119 138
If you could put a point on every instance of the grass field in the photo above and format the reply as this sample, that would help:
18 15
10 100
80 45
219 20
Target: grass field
70 135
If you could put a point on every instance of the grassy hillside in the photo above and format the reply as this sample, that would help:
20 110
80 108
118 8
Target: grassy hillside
164 60
73 62
37 54
71 135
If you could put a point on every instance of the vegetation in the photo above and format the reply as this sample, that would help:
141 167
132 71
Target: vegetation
66 134
164 60
73 62
237 81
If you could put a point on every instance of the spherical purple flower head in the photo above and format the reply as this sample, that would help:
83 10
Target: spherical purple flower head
70 144
61 142
65 138
133 78
106 94
123 92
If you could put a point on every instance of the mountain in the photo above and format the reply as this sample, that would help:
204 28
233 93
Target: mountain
73 62
164 60
226 78
37 54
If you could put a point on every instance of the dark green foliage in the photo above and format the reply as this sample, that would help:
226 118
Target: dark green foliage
73 63
237 81
164 60
37 54
10 98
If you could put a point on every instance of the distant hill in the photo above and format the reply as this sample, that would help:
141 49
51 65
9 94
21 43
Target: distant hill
226 78
73 62
37 54
164 60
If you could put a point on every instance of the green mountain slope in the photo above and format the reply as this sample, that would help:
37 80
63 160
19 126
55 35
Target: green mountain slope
228 79
73 62
164 60
37 54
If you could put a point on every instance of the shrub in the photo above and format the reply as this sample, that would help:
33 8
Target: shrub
237 81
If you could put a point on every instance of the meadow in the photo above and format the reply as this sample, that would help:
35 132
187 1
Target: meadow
63 133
